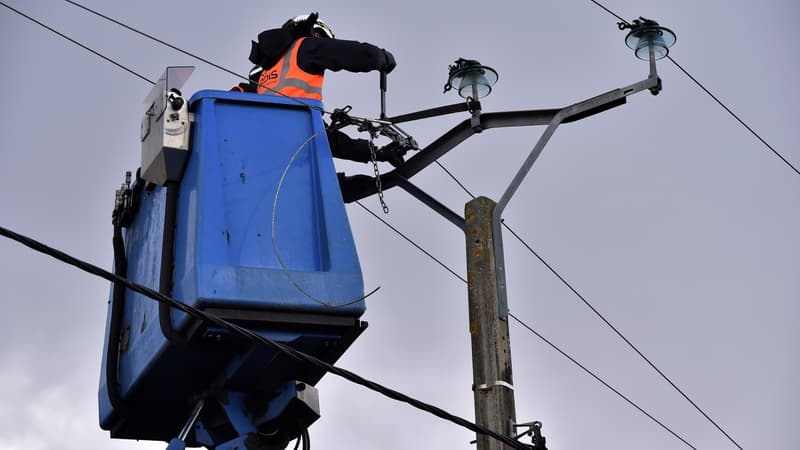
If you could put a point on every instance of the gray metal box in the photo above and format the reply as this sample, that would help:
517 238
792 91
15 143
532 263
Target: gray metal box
165 128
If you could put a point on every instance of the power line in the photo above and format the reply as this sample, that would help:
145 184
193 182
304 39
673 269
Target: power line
667 379
455 274
187 53
738 119
285 349
606 321
774 151
548 342
609 11
620 394
160 41
132 72
458 182
204 60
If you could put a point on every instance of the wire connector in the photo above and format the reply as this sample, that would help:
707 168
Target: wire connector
637 24
534 430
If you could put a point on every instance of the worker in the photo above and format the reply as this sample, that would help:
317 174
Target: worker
291 61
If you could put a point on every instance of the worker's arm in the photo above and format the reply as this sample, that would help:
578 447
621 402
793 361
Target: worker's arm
345 147
316 55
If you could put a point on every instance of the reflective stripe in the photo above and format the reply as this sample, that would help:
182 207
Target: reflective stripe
287 78
286 63
299 84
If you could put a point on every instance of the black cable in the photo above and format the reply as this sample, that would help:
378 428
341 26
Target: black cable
534 332
285 349
299 439
206 61
459 183
620 394
79 44
192 55
742 122
455 274
609 324
167 265
768 146
609 11
738 119
117 308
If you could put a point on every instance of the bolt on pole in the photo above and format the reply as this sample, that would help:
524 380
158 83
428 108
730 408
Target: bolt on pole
493 385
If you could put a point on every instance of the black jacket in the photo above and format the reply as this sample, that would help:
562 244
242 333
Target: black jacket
316 54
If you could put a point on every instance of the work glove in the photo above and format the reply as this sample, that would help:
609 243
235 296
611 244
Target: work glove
354 185
391 153
390 63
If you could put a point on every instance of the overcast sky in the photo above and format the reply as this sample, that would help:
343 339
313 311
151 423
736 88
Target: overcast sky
667 215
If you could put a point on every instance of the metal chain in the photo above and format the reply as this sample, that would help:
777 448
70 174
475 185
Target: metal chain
378 184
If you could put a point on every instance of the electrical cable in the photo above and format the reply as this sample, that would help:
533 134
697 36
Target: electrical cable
206 61
609 11
768 146
455 274
132 72
459 183
285 349
166 276
738 119
728 110
548 342
606 321
187 53
212 64
620 394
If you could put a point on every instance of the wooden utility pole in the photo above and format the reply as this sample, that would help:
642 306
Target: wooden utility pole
493 384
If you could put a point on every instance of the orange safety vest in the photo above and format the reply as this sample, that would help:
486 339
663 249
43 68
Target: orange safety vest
287 78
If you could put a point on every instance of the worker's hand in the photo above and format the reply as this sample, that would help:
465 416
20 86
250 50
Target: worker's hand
354 185
390 63
391 153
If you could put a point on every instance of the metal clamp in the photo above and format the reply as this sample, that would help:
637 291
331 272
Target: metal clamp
534 430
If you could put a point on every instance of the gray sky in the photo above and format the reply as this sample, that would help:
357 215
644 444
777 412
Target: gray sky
666 214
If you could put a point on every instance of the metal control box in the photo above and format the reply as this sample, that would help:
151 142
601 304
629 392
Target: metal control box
165 128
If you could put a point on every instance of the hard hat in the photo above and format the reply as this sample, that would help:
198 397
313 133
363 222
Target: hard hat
319 26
